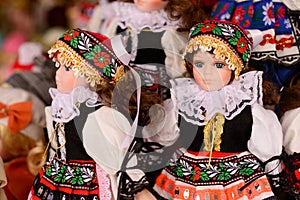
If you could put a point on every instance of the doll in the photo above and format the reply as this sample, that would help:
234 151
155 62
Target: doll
85 61
21 135
289 118
221 120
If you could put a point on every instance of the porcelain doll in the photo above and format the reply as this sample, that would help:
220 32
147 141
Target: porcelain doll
223 126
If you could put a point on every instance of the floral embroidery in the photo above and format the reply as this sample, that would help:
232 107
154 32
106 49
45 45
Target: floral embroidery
70 174
268 13
88 55
101 59
219 170
69 35
228 40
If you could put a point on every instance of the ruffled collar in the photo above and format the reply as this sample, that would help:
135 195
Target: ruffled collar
129 16
197 106
65 107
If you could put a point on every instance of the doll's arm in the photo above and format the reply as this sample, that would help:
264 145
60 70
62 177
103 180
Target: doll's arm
103 135
174 43
266 138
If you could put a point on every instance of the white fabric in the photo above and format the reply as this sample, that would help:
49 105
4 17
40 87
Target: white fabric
266 137
196 104
64 107
290 122
256 36
28 51
292 4
130 16
164 129
103 133
119 48
174 43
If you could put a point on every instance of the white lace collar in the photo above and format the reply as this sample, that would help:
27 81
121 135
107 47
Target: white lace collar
197 106
64 107
129 16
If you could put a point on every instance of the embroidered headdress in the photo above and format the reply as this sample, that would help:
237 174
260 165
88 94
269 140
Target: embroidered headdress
91 54
227 40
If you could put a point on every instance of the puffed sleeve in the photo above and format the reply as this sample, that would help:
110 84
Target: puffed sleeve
174 44
103 135
266 137
104 132
291 131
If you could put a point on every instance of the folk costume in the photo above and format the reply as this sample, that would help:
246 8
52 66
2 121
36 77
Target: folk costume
221 131
143 32
69 172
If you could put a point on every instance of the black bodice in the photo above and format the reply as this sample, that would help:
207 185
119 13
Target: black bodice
236 133
73 134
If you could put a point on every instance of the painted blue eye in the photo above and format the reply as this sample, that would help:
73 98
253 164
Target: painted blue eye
199 65
68 68
219 65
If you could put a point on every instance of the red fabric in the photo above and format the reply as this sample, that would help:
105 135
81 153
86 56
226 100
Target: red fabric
215 154
19 179
17 66
19 115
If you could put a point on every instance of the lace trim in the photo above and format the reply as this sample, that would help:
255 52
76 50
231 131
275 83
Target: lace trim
64 107
198 106
129 16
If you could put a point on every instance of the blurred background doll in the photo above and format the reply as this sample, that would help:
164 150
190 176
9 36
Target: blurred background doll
22 123
37 81
220 110
84 59
289 118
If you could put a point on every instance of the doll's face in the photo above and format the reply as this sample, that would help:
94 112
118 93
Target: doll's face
150 5
65 79
209 72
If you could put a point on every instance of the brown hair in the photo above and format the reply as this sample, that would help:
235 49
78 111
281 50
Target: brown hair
126 99
290 96
188 13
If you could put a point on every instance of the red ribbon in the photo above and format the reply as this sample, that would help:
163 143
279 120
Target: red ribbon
19 115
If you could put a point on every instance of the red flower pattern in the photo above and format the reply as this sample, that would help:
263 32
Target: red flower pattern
238 14
101 59
70 35
242 45
207 28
